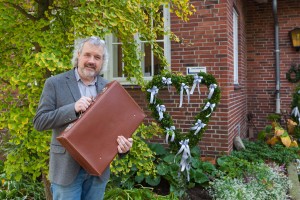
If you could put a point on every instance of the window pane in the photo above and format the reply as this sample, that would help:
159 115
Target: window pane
147 64
117 58
157 62
150 63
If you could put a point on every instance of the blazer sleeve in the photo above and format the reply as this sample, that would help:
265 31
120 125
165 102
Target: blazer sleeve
49 115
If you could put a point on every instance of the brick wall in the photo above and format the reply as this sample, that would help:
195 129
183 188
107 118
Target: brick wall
261 57
206 40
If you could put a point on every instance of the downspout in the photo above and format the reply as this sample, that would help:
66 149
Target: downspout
277 51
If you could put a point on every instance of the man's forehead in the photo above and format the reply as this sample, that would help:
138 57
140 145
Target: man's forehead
91 47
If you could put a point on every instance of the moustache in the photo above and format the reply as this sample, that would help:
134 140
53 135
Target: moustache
91 66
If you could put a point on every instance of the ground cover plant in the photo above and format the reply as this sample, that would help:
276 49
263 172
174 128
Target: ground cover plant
25 188
258 171
258 181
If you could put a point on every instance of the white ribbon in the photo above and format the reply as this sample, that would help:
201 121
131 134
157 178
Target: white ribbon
170 131
198 126
197 81
212 88
296 113
154 92
211 106
186 88
185 159
167 81
160 109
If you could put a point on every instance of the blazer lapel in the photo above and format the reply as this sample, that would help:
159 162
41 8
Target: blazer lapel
100 84
73 85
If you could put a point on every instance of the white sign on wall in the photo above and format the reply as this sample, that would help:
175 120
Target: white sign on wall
195 70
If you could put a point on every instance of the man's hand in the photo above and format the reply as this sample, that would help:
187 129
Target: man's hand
124 144
82 104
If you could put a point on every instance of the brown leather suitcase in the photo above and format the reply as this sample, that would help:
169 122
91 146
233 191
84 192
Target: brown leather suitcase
92 139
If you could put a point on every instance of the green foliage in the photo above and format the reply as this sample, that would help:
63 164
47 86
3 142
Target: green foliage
202 115
23 189
259 151
36 42
244 174
260 182
296 105
168 168
235 167
277 134
138 165
135 194
274 117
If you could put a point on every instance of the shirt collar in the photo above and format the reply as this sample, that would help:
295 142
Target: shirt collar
79 79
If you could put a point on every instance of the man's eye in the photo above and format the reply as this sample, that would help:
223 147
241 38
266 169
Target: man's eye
98 58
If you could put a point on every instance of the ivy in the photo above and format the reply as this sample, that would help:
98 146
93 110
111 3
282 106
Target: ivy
36 42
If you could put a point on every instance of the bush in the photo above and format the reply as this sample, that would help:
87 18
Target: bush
26 188
259 151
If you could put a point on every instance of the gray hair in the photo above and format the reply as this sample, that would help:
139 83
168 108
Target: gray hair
78 45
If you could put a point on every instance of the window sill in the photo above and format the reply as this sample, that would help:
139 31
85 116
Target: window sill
125 82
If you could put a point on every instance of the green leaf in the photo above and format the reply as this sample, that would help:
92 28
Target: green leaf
159 149
162 169
139 179
200 177
153 181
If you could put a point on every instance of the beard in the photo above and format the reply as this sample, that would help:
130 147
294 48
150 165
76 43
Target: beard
89 71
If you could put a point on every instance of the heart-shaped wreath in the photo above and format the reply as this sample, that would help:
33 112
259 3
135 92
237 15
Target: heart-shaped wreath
185 86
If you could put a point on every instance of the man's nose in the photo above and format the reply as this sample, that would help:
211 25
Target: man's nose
92 59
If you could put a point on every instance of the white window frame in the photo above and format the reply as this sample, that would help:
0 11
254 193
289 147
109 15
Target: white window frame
235 30
108 74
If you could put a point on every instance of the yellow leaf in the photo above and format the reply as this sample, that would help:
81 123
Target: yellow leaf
273 140
291 126
294 144
279 131
25 121
286 141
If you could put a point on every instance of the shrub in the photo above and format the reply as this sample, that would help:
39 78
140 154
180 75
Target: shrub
259 151
26 188
259 182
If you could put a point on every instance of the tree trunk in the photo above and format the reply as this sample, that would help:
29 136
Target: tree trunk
46 183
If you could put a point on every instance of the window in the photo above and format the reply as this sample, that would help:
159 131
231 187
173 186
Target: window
150 64
235 48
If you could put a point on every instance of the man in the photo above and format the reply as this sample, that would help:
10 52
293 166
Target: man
64 97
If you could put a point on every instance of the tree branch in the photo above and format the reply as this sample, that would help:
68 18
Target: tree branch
22 11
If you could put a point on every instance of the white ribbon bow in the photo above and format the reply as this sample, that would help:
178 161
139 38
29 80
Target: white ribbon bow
212 88
198 126
160 109
296 113
186 88
167 81
154 92
185 159
211 106
197 81
170 131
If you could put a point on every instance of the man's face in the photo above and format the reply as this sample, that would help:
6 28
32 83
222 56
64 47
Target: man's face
90 61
